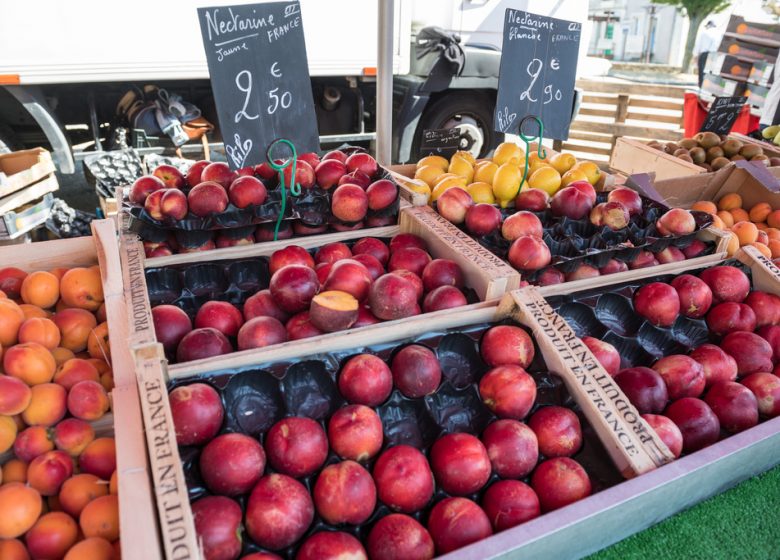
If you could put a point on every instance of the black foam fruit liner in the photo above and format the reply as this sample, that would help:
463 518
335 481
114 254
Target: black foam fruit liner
575 242
255 398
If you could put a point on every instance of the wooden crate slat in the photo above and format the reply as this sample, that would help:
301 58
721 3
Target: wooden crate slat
586 149
656 104
598 112
600 99
620 129
671 119
673 92
590 137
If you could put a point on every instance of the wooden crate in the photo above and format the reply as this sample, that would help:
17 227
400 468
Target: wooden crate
770 149
489 276
139 534
630 156
24 168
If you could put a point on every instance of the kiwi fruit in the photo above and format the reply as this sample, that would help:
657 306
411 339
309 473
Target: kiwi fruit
750 151
685 157
719 162
655 145
713 153
706 166
731 147
680 151
762 158
698 155
736 157
774 161
671 147
707 139
688 143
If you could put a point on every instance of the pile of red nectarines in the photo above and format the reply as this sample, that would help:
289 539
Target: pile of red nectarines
55 496
724 385
359 196
353 473
528 238
336 288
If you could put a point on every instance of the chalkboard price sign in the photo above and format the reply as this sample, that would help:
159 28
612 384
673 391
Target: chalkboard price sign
256 54
723 112
537 73
440 142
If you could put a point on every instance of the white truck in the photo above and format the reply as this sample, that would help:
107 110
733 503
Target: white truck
65 65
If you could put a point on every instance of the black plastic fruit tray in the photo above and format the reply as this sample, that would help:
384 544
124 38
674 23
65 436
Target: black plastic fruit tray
608 314
312 207
255 398
574 242
189 286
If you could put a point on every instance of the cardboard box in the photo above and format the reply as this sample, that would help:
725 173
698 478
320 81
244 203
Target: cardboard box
723 63
754 183
747 50
138 526
631 156
762 73
767 32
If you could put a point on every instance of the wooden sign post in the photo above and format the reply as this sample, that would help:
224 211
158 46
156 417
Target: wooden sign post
256 55
538 69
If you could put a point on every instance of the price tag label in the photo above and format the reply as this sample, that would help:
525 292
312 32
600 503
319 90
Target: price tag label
440 142
537 73
256 55
723 112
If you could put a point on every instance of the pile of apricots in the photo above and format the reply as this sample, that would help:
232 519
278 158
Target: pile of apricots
58 481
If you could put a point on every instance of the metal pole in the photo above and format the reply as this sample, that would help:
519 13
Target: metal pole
384 82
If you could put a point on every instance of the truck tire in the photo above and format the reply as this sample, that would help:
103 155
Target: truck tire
8 142
471 112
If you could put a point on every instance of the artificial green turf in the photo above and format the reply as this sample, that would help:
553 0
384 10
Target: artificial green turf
742 523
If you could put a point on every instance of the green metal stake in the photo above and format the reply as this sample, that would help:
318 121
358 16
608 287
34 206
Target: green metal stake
295 188
540 151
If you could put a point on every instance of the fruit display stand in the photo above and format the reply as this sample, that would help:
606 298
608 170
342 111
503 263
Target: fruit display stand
634 448
138 528
632 156
485 276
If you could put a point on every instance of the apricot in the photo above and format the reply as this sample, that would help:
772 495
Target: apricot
733 244
99 458
52 535
20 507
773 219
101 313
40 330
46 473
75 370
774 248
100 518
82 288
739 215
763 249
30 362
759 212
726 216
31 442
32 311
773 233
75 326
15 395
107 381
78 491
41 289
62 355
730 202
88 400
11 318
11 279
7 433
13 549
47 406
97 342
717 222
93 548
113 484
14 470
705 206
747 232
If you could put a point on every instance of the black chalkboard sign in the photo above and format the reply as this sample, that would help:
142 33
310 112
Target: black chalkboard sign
256 55
723 112
538 69
440 142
